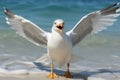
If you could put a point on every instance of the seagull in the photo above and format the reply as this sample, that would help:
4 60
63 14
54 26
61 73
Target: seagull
59 43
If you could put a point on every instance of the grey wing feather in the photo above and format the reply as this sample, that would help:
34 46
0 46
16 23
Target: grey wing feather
94 22
27 29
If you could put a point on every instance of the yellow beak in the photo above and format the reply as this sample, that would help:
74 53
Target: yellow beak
60 27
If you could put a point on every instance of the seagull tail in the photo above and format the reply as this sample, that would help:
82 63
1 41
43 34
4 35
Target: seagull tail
45 60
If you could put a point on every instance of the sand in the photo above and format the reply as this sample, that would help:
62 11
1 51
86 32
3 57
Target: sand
37 76
21 75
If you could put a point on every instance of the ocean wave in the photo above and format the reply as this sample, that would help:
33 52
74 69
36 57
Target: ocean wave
23 4
100 39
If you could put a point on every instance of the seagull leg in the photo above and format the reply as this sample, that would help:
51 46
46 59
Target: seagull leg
52 75
67 74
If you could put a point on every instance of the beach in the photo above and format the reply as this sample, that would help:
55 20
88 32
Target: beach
95 74
99 54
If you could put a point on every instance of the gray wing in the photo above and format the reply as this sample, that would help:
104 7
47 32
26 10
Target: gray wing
26 29
94 22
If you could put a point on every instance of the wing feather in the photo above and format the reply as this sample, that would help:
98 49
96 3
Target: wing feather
26 29
94 22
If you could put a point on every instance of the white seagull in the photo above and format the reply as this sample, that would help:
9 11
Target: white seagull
59 43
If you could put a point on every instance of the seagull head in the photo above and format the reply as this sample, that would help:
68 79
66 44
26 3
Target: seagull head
58 25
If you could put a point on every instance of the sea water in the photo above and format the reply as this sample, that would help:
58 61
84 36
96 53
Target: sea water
99 52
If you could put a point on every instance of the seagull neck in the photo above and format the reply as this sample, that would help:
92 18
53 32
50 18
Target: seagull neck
56 32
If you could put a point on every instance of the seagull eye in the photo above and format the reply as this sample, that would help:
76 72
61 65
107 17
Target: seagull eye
55 23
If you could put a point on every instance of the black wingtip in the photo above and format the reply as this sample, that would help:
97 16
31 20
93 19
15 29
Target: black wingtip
110 9
8 12
111 6
5 10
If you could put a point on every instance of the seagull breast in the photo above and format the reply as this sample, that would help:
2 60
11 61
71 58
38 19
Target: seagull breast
59 48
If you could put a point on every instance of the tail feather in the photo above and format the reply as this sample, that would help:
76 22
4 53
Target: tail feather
45 60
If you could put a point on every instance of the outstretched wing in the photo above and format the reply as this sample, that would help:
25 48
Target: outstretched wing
94 22
26 29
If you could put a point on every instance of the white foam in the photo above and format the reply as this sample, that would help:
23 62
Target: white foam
118 3
19 72
115 56
95 78
3 70
118 10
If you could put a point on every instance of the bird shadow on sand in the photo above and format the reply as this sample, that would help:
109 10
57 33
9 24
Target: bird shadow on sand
85 74
78 75
59 72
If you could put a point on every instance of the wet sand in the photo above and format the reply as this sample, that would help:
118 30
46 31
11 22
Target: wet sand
40 76
93 75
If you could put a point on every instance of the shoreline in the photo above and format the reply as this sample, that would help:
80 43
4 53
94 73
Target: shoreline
97 74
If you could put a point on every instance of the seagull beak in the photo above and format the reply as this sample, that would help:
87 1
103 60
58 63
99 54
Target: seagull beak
60 27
